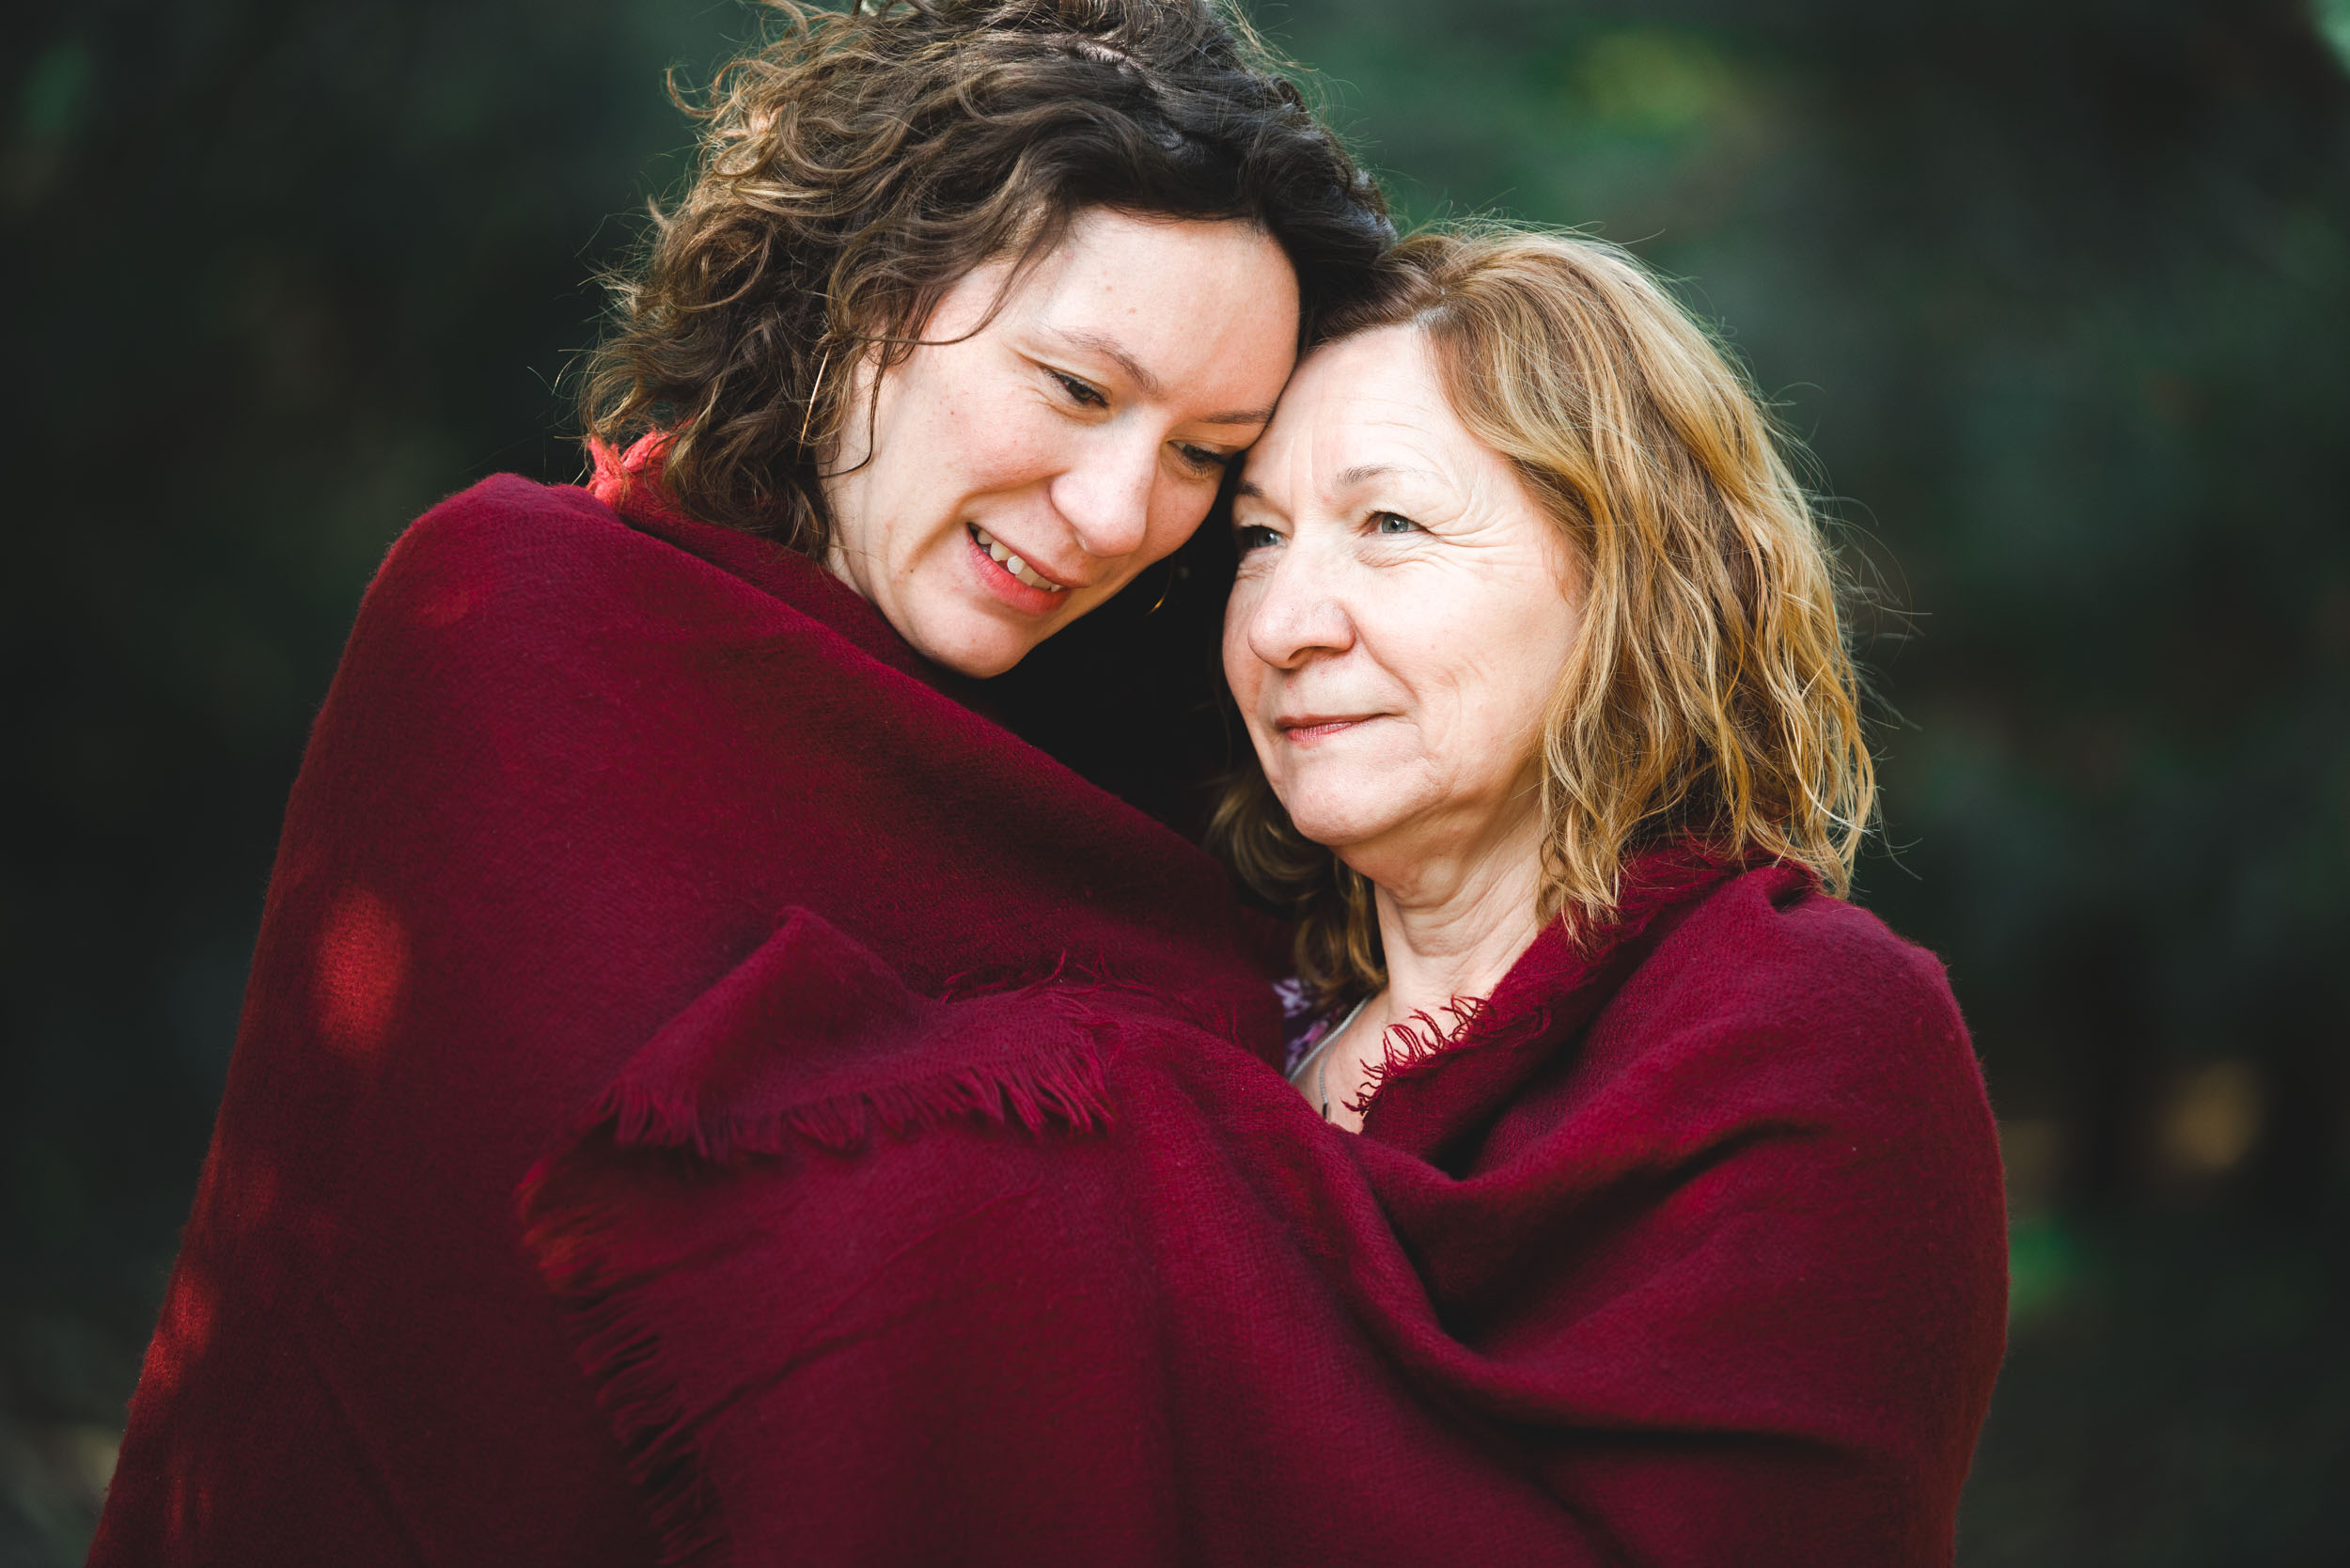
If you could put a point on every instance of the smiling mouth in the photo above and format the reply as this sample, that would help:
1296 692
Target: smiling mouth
1021 571
1309 727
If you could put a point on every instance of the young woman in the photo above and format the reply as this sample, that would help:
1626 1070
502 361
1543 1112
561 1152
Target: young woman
1637 1201
964 317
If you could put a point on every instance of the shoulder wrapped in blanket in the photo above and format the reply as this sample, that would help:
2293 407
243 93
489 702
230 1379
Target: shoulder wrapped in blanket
575 774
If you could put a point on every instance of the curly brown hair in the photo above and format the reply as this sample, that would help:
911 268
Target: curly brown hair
859 164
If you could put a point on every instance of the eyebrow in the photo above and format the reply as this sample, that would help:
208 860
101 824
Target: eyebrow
1136 372
1346 478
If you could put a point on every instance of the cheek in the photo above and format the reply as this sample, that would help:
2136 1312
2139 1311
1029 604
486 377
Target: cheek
948 438
1243 670
1177 508
968 459
1173 520
1007 438
1481 662
1520 671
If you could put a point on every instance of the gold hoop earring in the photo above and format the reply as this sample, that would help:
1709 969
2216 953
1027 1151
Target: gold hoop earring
1166 585
813 393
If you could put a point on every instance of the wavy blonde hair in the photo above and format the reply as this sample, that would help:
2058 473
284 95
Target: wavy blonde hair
1711 692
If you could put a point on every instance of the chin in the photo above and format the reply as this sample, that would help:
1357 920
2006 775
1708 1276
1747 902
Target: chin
1334 818
978 650
992 664
981 661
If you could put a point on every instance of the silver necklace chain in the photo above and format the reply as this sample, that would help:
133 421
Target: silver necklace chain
1317 1060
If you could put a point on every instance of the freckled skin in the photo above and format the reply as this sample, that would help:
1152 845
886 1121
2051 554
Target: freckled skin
1432 602
1036 428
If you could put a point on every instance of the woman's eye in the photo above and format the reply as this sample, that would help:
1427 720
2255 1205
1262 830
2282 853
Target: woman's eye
1201 460
1083 393
1392 523
1255 536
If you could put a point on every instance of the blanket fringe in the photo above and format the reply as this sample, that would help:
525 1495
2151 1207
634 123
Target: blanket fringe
620 1353
1661 878
564 1199
1061 1088
1415 1041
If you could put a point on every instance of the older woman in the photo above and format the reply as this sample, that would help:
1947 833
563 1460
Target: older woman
1559 766
1642 1204
1525 591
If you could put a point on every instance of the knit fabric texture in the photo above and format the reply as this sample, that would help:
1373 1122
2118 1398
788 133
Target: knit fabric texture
575 770
1687 1249
709 1096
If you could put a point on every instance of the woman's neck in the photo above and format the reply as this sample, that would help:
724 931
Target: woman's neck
1454 928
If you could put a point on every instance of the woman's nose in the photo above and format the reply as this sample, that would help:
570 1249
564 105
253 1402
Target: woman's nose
1294 611
1105 494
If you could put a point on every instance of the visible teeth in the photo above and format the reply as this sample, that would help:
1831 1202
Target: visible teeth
1012 564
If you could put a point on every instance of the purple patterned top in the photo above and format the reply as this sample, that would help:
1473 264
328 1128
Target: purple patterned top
1302 1027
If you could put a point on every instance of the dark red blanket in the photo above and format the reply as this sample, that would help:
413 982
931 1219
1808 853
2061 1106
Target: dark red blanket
1689 1253
902 1197
574 772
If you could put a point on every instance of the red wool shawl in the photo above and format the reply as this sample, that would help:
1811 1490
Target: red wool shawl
1688 1250
574 770
902 1195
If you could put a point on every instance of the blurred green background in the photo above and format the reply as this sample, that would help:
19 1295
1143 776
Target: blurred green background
2058 292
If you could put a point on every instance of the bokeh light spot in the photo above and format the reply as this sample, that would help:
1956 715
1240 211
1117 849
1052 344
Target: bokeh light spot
362 968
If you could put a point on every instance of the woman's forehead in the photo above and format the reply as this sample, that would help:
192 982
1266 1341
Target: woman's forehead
1365 410
1192 312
